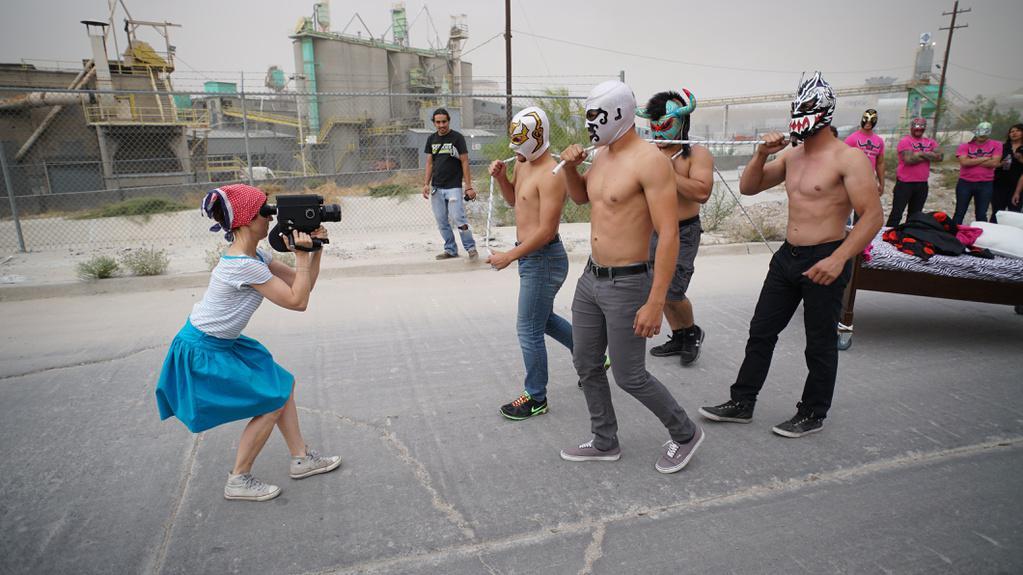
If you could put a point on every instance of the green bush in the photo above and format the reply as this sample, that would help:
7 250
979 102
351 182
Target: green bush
391 190
717 209
98 268
134 207
146 261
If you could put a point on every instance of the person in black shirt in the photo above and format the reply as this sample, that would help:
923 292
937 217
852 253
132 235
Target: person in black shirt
1007 175
447 165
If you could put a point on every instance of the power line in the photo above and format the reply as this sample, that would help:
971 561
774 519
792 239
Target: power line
986 73
697 64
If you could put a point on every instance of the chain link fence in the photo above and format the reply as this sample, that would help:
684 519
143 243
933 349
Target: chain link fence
106 168
114 168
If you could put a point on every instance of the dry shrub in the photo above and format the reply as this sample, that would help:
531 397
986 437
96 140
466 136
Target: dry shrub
146 261
768 218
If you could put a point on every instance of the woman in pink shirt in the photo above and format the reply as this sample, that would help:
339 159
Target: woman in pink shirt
978 159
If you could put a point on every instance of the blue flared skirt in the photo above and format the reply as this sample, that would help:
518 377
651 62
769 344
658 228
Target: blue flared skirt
207 381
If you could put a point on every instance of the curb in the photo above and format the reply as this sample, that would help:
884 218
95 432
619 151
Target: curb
12 293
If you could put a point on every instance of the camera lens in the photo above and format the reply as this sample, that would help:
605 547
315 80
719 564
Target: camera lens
267 210
330 213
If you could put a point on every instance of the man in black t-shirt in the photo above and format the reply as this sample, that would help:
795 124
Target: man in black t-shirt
447 165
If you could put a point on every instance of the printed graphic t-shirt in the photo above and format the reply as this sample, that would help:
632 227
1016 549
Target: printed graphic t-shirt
914 172
972 149
447 165
871 144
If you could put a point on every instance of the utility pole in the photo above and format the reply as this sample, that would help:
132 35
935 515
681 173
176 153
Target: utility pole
507 63
944 64
621 76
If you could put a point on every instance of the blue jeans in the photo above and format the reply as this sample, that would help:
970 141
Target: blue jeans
541 275
447 205
980 192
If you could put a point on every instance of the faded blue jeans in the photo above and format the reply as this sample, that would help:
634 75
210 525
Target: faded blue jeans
980 192
447 206
541 275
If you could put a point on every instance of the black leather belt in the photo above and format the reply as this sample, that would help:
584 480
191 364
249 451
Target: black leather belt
613 272
557 238
688 221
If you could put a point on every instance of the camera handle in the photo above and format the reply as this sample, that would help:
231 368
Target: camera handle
317 245
282 242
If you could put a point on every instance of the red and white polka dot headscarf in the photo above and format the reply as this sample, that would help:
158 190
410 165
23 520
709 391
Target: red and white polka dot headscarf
239 202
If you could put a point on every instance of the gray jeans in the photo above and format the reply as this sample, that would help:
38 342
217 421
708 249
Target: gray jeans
603 312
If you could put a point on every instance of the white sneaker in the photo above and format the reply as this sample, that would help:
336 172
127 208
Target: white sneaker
313 464
245 487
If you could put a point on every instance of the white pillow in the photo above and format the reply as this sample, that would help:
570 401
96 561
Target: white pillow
1014 219
1001 239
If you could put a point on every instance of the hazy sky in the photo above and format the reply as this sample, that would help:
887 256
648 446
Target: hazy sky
715 49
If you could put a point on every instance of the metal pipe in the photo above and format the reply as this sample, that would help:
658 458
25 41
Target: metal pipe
245 130
10 196
561 164
507 63
82 78
38 100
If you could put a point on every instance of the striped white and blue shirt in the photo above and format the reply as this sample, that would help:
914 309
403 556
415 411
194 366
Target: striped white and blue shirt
231 300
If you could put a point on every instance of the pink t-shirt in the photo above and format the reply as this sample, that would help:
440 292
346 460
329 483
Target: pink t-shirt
914 172
871 144
972 149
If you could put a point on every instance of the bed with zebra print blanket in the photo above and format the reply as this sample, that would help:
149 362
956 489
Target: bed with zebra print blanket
884 256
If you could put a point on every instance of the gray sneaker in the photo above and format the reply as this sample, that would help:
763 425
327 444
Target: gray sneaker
313 464
245 487
473 254
677 455
586 452
446 256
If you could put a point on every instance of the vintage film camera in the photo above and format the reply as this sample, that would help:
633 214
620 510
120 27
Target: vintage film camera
302 212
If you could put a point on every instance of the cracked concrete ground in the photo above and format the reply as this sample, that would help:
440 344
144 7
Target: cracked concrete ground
919 468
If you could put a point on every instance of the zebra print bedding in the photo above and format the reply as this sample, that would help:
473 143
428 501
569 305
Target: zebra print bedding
884 256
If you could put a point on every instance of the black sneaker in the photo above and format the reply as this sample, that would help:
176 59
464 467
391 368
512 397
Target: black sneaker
692 341
800 425
731 411
524 407
671 347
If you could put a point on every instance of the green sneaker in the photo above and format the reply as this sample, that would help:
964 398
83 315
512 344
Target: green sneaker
523 408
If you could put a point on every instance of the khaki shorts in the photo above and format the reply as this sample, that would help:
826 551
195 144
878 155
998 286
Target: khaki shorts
688 244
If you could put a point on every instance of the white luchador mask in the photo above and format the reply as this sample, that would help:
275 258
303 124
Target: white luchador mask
610 112
530 133
812 109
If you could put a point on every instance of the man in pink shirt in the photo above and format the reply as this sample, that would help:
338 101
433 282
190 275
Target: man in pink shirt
870 144
978 159
916 153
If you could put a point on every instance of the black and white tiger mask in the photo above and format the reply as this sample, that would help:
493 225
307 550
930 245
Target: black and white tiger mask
812 109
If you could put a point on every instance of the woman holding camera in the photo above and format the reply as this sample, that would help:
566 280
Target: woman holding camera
213 374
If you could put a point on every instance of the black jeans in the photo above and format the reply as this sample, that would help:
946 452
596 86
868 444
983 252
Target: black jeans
784 287
912 193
